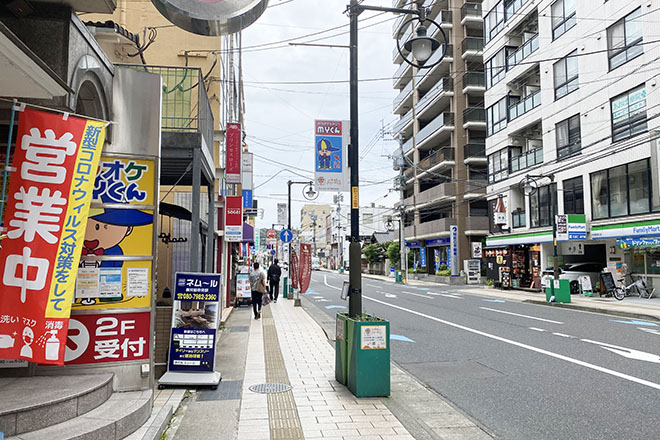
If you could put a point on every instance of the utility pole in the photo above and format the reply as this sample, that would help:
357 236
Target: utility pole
313 217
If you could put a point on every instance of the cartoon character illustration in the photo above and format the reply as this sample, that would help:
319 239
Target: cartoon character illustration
325 149
105 232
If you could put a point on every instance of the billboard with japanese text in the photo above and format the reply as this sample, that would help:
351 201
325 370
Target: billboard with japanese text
107 338
50 191
305 266
194 322
234 218
331 156
233 153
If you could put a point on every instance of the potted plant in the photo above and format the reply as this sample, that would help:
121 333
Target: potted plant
489 284
362 354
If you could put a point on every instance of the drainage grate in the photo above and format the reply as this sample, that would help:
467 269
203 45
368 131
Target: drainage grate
270 388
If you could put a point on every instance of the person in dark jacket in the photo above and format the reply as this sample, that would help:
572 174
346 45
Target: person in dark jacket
274 274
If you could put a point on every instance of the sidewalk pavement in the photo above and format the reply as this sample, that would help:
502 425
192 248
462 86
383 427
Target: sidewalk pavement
289 348
632 307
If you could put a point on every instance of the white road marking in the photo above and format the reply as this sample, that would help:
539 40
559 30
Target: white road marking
537 329
451 296
325 281
371 285
562 335
522 316
416 294
322 300
527 347
649 330
390 295
627 352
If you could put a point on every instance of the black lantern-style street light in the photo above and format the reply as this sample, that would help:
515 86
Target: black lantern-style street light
422 48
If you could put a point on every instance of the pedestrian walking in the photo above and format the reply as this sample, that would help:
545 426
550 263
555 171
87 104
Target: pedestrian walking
274 274
258 286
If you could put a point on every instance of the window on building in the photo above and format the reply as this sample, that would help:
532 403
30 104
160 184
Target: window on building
494 22
629 114
496 68
496 117
624 39
573 196
518 218
568 137
563 16
566 75
543 206
479 208
498 166
367 218
622 190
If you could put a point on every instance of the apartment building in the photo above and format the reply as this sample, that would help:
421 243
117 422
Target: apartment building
442 128
571 108
312 225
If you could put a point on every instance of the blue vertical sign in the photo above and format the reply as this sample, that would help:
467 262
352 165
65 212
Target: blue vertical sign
436 253
194 322
247 199
422 257
453 250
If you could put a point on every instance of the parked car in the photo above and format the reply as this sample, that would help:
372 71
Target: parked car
316 263
573 272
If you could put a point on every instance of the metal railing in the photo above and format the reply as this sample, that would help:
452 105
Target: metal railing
472 43
526 104
401 123
470 9
474 114
475 79
530 46
437 192
442 155
185 105
474 149
526 160
444 85
402 96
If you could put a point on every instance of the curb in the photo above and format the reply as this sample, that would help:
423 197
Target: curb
586 308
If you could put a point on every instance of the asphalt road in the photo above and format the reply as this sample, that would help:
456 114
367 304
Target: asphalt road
523 371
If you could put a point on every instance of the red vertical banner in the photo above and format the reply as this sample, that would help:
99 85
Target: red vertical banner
294 269
233 153
234 218
55 161
305 266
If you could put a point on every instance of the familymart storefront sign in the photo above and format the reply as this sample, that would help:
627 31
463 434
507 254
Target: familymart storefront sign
632 230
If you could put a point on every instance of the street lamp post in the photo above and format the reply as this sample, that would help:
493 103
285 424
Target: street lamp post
421 47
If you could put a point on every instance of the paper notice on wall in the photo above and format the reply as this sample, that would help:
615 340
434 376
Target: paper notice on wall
374 337
109 282
87 284
137 281
12 363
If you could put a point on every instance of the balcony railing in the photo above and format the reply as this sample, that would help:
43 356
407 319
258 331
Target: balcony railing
512 8
445 154
474 79
185 105
526 104
407 90
408 173
526 160
442 120
444 85
401 123
530 46
407 146
445 17
470 9
435 226
476 223
435 57
473 150
474 114
475 44
437 192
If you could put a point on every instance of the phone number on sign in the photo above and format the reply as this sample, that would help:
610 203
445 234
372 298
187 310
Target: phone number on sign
196 297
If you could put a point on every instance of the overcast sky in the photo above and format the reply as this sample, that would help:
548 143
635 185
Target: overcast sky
280 110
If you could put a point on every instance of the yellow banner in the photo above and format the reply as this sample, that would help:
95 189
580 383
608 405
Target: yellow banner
70 244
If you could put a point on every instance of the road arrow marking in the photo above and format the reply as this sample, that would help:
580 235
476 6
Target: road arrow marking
634 322
494 300
400 338
627 352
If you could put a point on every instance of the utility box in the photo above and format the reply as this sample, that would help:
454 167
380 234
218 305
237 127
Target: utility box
560 289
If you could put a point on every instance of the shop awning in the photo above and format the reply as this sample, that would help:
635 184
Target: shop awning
511 239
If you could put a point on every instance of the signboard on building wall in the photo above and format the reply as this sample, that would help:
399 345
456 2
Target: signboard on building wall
477 251
331 155
233 218
47 208
571 227
233 153
282 217
453 249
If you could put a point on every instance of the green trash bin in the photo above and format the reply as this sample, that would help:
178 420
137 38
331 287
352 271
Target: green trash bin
285 288
397 276
560 289
341 357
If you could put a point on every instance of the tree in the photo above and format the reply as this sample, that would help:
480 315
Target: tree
373 253
393 254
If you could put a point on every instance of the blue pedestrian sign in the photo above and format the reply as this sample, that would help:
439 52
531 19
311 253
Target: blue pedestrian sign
286 235
272 252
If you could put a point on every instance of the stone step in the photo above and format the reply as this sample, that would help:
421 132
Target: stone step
32 403
118 417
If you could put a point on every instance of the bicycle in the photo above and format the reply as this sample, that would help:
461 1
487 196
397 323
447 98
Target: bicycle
638 285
